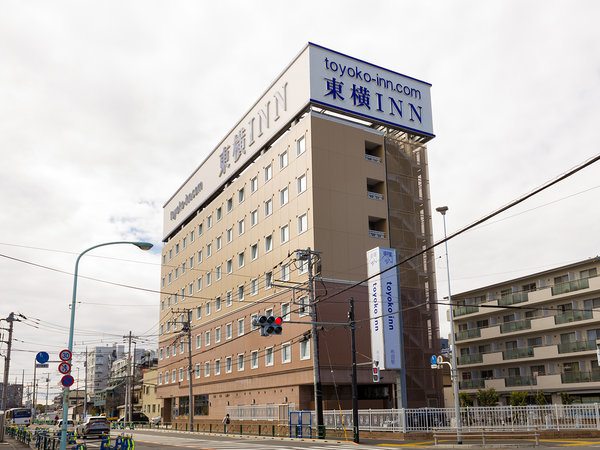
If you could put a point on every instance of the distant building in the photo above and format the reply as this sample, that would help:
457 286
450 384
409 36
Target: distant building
151 404
99 363
14 395
537 333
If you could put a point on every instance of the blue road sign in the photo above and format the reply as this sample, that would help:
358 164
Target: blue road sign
42 357
433 359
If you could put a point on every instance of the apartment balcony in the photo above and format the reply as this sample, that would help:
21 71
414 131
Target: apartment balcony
373 158
468 334
472 384
377 234
513 298
520 381
580 377
581 346
470 359
570 286
572 316
517 353
515 326
462 310
374 195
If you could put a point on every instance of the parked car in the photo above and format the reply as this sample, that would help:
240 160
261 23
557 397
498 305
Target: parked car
93 425
136 417
56 428
156 420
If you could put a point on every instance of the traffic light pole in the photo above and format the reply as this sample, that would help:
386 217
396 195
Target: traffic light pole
354 380
10 319
187 328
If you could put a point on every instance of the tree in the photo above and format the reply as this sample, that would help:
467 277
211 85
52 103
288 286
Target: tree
465 399
487 397
540 398
518 398
565 398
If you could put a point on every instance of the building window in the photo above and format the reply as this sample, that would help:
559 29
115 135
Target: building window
217 367
199 284
208 308
285 311
183 268
286 353
218 304
268 280
305 349
164 260
254 184
283 196
268 243
241 195
217 335
177 249
302 266
229 204
228 298
218 273
209 222
589 273
197 370
285 233
208 250
228 364
285 272
200 230
199 256
208 278
304 305
207 338
206 369
160 378
301 183
254 217
240 362
191 262
173 375
300 145
191 289
170 278
254 252
302 223
162 305
229 266
219 213
228 330
254 359
240 330
160 354
219 242
167 377
240 293
268 172
198 340
176 272
283 160
184 242
163 282
241 259
181 374
268 207
254 287
269 356
229 235
241 227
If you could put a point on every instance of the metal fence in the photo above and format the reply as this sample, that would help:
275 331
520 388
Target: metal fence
507 418
268 412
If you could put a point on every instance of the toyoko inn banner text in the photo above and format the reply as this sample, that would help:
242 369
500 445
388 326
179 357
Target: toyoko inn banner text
384 308
316 76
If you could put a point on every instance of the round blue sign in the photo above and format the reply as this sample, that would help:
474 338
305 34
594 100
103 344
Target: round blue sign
433 359
42 357
67 380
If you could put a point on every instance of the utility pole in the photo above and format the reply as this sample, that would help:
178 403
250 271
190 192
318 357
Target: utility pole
187 328
354 380
85 369
128 387
307 255
10 319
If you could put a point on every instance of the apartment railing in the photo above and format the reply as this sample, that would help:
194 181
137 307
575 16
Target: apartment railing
374 195
513 298
468 334
515 326
372 158
520 381
572 316
478 383
517 353
570 286
581 346
462 310
470 359
377 234
580 377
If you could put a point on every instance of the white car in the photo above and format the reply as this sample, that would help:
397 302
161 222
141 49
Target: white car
56 428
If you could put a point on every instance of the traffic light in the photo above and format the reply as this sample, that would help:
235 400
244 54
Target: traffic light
260 321
376 374
274 325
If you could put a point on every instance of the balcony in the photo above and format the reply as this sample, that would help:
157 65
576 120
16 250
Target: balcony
520 381
513 298
581 346
377 234
462 310
373 158
515 326
570 286
580 377
572 316
472 384
470 359
517 353
374 195
468 334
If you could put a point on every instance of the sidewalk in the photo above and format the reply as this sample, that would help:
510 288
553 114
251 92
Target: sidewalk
10 443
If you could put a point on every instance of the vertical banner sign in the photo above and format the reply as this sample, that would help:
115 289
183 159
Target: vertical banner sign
384 308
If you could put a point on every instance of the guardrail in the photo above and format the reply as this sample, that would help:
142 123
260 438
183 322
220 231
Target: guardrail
483 435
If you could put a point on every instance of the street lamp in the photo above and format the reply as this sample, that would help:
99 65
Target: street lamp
442 210
142 246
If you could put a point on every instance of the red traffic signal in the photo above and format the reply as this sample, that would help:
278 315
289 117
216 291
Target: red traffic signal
376 375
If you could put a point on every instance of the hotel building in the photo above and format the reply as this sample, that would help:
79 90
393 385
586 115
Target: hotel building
332 158
537 333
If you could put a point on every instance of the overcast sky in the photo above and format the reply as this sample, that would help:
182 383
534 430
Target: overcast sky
107 107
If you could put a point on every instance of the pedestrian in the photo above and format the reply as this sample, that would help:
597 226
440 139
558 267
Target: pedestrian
226 422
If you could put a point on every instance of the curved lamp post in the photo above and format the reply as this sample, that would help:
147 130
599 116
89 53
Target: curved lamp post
454 370
65 415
